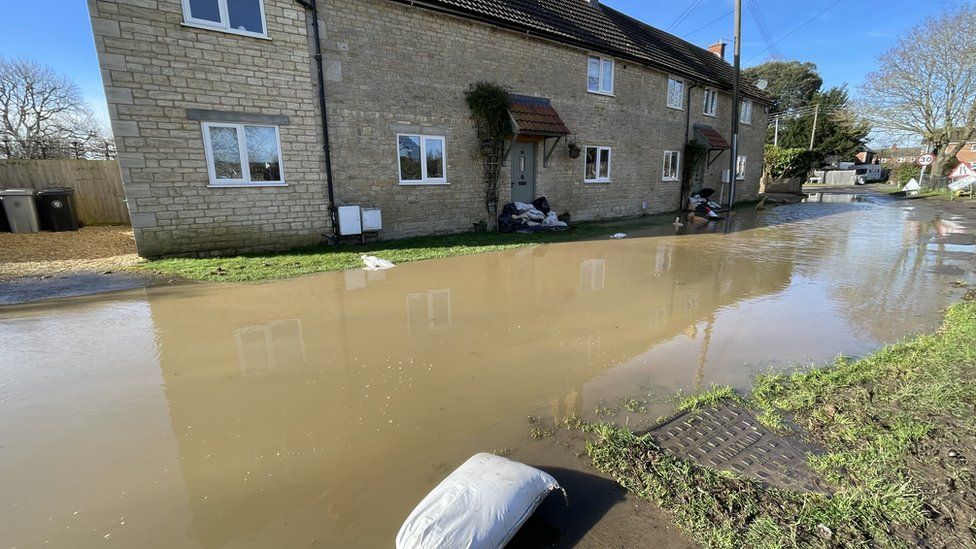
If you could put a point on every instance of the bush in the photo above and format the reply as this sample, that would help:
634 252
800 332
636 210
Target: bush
903 173
786 163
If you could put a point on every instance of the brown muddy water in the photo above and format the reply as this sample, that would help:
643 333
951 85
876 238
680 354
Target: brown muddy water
320 410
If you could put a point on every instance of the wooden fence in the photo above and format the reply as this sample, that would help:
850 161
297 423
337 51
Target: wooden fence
98 197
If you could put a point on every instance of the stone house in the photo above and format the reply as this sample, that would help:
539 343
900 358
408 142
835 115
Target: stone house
215 109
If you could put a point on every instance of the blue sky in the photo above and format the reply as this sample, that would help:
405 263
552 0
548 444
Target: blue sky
843 42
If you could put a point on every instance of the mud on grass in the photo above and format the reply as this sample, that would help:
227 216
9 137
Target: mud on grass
899 427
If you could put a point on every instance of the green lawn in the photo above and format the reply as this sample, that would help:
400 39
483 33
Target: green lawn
257 267
898 427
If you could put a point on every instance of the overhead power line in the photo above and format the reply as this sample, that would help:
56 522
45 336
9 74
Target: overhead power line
798 27
684 15
763 28
710 23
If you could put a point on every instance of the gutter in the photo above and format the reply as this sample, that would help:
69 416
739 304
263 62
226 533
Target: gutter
312 6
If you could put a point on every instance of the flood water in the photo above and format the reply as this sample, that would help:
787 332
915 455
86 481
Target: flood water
320 410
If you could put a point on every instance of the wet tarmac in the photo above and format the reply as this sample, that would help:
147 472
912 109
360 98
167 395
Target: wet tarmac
320 410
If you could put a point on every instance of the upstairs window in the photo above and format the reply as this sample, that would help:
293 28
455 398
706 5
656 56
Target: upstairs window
237 16
745 114
972 147
599 75
711 102
676 93
597 165
422 159
242 154
672 163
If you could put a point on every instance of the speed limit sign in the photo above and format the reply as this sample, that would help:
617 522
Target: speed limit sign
926 159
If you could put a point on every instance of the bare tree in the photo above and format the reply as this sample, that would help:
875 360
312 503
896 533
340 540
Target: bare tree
42 113
926 85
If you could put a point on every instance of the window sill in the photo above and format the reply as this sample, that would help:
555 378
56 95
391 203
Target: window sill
668 180
713 115
597 181
244 185
745 123
675 108
423 183
604 94
225 30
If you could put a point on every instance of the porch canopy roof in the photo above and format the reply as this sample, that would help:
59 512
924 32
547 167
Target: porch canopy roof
711 138
536 116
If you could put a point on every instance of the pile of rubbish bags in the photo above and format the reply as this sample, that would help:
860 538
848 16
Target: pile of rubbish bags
519 217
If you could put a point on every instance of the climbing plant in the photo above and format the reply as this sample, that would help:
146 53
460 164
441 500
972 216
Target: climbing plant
489 103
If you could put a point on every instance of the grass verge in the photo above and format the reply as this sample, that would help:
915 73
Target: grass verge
269 266
898 427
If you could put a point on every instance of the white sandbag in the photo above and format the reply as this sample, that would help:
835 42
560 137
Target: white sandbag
481 505
552 220
373 263
522 206
618 236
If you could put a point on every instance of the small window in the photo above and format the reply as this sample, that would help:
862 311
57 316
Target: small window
676 93
597 165
711 102
745 115
422 159
740 168
599 75
972 147
972 165
237 16
240 154
672 165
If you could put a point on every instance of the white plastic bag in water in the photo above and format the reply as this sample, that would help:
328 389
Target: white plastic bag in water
481 505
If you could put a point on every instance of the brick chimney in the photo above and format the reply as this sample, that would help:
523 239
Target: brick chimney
718 48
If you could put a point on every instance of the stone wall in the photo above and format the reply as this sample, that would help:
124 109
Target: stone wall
390 69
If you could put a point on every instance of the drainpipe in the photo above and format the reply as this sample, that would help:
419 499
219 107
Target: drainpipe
312 6
686 185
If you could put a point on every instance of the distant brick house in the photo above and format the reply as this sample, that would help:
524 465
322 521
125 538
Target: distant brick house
214 106
899 155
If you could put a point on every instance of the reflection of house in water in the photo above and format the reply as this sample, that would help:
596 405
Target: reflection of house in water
352 408
262 347
427 311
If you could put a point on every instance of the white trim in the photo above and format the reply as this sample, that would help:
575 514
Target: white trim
740 176
598 179
613 75
677 166
714 94
743 119
242 153
667 93
224 24
972 147
424 180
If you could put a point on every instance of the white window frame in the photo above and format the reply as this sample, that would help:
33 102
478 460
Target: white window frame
740 160
713 94
745 112
613 75
972 147
224 24
972 165
424 180
673 157
245 165
667 98
598 179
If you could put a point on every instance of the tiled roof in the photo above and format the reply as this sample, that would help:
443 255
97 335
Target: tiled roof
601 29
535 116
712 138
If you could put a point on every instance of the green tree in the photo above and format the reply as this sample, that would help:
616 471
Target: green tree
839 131
792 84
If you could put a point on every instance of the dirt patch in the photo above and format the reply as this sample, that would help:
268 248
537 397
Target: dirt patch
96 249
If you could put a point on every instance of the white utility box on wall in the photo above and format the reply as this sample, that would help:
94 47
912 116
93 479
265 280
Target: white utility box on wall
372 220
350 220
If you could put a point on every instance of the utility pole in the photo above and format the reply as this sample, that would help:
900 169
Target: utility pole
776 133
737 64
816 116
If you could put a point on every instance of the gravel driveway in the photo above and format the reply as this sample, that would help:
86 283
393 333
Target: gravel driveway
97 249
